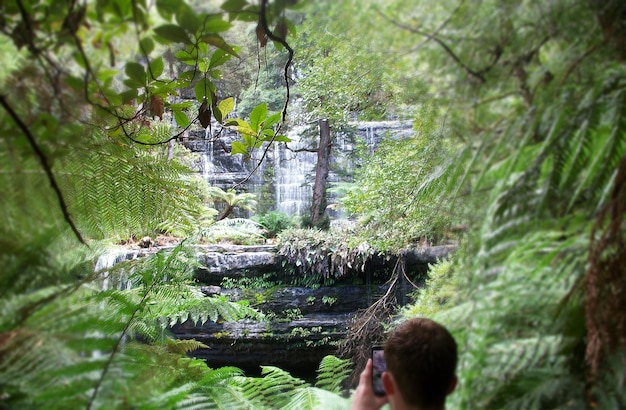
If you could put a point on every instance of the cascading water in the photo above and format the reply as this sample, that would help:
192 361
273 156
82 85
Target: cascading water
106 261
206 163
294 172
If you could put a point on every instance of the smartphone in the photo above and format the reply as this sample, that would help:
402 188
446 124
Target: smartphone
378 367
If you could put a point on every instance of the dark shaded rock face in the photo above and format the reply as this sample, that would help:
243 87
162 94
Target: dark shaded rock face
304 324
307 325
297 345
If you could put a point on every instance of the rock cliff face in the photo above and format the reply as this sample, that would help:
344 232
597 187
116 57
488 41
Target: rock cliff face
304 324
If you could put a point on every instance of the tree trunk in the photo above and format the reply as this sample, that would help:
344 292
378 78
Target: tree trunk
318 206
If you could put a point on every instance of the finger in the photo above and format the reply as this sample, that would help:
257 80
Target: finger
366 374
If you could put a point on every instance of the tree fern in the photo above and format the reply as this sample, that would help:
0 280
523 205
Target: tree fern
332 372
238 229
311 398
278 389
127 190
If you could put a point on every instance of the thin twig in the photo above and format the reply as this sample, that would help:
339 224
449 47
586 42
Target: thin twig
437 40
273 37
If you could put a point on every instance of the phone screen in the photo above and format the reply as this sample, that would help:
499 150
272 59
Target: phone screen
378 367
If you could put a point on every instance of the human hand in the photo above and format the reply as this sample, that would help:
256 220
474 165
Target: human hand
364 397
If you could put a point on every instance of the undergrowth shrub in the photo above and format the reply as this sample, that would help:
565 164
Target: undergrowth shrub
316 257
274 222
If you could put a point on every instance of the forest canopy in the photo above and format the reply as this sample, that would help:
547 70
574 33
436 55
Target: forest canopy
518 156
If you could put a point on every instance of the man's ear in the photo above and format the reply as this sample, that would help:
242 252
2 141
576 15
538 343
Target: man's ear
453 384
389 384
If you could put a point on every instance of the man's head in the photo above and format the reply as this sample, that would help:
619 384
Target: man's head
421 356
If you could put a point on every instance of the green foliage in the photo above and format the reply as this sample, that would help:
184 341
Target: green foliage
317 257
267 88
342 69
78 127
440 290
395 195
75 343
261 127
230 200
234 230
255 282
332 373
274 222
323 224
266 198
540 109
278 389
329 300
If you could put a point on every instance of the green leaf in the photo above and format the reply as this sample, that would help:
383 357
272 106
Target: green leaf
217 41
291 27
217 25
234 5
188 19
282 138
156 67
187 76
128 95
136 72
272 119
248 139
245 129
203 89
267 133
226 106
219 57
250 14
173 33
147 45
238 148
278 46
217 74
181 119
167 8
258 115
234 122
75 82
186 57
180 106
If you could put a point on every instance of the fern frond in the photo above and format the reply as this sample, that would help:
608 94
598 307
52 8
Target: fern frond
273 390
121 190
332 372
238 228
312 398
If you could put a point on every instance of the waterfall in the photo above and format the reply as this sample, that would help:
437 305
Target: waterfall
207 167
104 264
294 172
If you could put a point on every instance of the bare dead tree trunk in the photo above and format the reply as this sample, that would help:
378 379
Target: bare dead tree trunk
318 206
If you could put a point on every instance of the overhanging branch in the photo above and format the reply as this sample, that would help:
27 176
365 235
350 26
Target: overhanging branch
437 40
46 166
281 41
